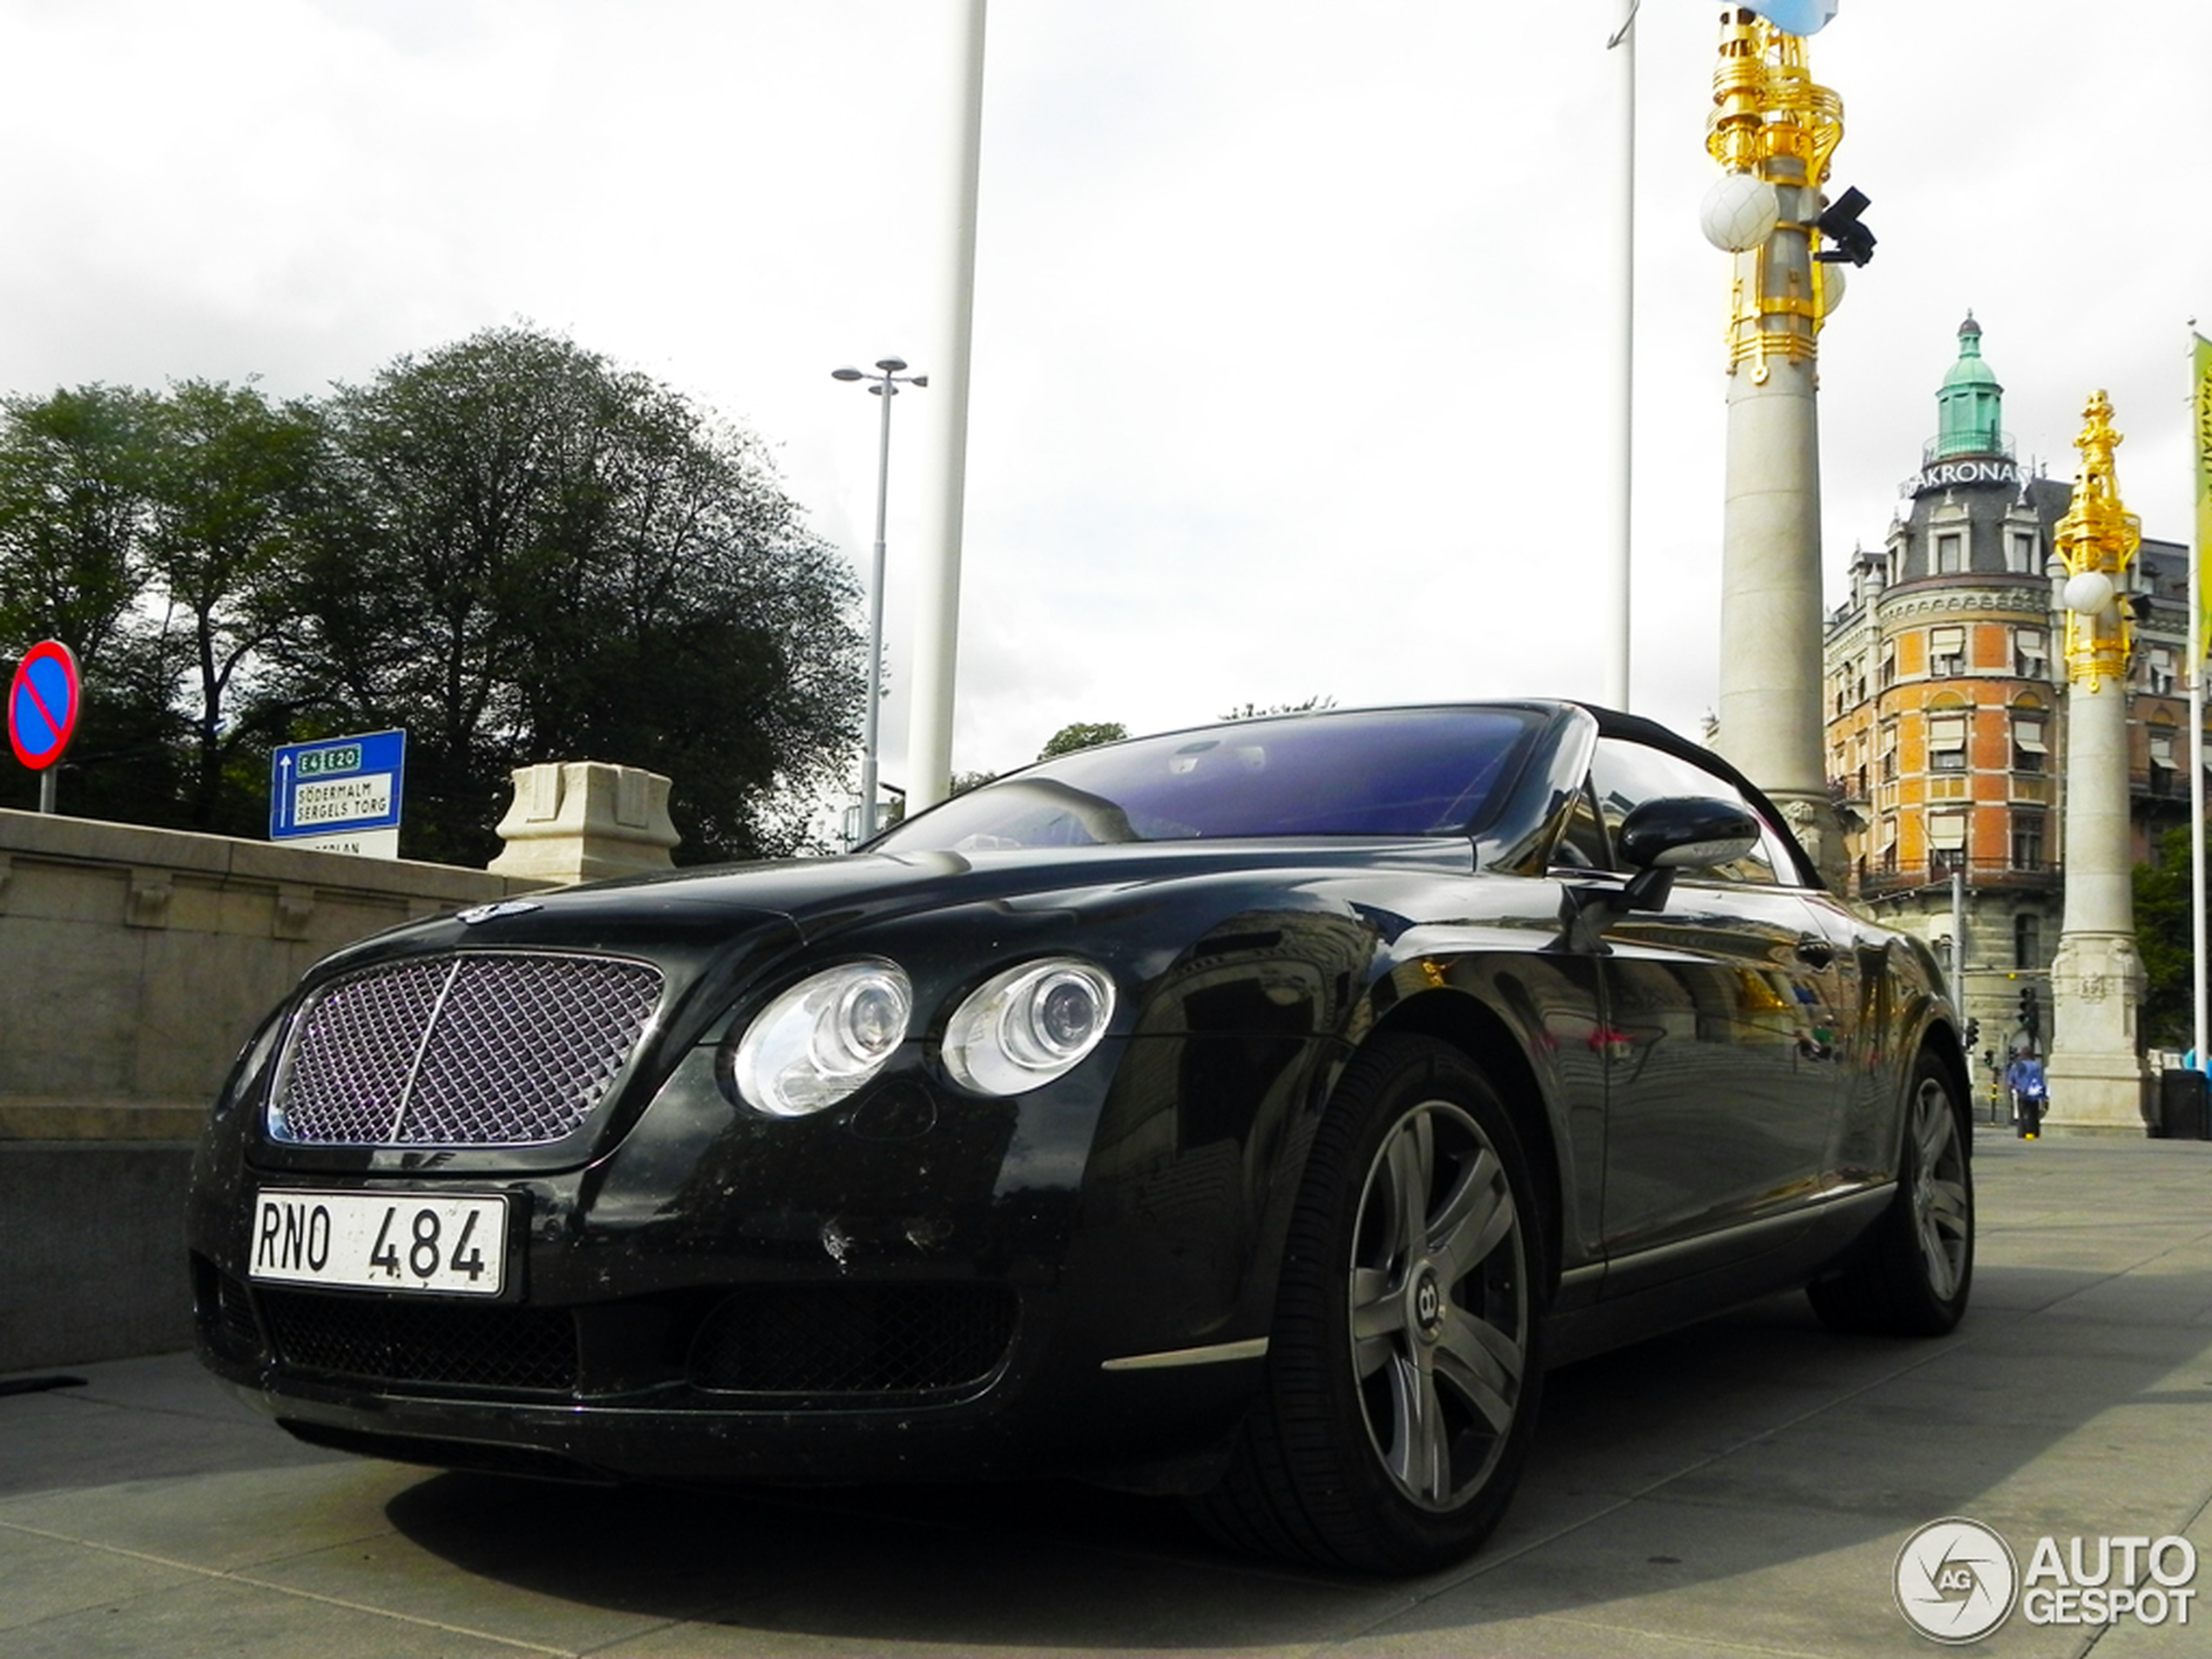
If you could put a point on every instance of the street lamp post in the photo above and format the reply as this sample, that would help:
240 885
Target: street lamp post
2097 977
884 384
1773 129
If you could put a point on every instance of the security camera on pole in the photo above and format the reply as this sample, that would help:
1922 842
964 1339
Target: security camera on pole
1772 130
2097 977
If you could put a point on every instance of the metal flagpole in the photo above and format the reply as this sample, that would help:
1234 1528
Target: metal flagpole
2201 366
1614 590
929 744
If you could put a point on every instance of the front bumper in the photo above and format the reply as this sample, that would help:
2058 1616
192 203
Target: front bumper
920 1286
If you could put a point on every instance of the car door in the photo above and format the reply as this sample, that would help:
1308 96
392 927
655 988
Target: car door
1725 1043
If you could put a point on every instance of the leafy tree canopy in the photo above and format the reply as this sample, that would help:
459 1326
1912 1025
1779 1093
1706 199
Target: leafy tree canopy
1254 712
1081 734
509 547
2162 936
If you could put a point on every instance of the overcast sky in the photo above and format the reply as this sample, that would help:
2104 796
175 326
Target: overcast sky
1288 371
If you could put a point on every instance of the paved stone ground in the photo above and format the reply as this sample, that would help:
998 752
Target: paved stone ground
1739 1489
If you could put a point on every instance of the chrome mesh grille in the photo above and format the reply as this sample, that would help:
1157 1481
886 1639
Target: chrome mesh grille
462 1050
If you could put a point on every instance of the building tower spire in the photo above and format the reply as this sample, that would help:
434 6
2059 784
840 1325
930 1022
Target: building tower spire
1970 406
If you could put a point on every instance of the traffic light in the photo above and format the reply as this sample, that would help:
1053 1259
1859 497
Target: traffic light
1839 223
2028 1009
1973 1034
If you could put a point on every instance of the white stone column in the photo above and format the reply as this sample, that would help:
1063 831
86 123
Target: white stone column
1770 598
1769 668
2097 977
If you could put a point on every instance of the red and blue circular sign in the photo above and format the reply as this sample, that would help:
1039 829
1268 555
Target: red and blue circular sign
43 704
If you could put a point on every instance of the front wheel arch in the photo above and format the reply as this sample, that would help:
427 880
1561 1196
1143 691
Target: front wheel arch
1485 1041
1405 1363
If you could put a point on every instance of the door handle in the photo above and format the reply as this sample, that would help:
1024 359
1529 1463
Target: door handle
1814 951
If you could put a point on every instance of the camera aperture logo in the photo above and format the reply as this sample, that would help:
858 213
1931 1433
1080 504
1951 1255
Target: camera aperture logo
1956 1581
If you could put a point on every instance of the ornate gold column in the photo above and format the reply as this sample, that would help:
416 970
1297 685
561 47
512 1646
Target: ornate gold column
2097 977
1772 130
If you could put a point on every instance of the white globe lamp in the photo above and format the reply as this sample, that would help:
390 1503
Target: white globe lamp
2088 594
1831 286
1740 212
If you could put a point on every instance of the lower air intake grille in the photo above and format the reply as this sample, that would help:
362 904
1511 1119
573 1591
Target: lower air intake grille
461 1345
854 1338
225 1312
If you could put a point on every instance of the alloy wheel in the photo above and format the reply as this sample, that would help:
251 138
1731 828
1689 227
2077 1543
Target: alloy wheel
1940 1206
1439 1305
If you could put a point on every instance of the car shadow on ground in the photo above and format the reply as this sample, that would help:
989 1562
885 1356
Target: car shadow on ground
1743 1443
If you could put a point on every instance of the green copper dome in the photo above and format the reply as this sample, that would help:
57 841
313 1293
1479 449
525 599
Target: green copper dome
1970 406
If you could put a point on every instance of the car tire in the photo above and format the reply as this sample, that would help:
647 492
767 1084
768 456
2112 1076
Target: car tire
1912 1275
1405 1362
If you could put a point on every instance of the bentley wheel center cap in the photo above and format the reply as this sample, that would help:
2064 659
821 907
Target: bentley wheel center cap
1426 1302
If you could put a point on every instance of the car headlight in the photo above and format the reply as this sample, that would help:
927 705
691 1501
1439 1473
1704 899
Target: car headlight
1028 1026
823 1038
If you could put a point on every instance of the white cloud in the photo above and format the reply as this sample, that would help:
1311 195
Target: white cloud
1288 373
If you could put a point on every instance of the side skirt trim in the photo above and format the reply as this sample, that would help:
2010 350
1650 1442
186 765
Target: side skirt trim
1214 1354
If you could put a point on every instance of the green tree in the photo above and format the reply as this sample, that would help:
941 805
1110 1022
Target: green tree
235 498
2162 936
75 480
1081 735
1254 712
535 555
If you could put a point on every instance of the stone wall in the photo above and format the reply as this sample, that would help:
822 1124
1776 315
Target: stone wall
133 963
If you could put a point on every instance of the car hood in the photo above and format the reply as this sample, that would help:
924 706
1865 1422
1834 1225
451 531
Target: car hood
808 900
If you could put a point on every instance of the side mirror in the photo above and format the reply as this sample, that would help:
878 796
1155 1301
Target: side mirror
1686 832
1657 838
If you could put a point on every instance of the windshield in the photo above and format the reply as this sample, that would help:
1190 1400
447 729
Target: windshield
1402 772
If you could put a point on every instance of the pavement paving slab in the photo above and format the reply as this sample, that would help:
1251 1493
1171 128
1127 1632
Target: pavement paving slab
1739 1490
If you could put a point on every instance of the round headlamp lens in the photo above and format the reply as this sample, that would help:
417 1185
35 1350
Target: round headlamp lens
823 1038
1028 1026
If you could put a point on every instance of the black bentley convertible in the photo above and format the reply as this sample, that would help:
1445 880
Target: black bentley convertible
1251 1112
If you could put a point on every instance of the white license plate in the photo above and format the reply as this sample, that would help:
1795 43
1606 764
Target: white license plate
384 1241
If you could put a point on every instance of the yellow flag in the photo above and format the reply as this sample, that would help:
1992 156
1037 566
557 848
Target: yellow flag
2203 378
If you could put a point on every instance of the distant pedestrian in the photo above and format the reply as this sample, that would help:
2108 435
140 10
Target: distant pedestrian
2031 1094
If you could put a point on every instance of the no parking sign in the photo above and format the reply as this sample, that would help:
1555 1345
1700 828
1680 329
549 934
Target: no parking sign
43 704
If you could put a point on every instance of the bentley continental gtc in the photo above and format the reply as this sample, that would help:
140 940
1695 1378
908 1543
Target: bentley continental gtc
1251 1113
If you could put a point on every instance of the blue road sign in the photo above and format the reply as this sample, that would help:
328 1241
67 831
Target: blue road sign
43 702
336 785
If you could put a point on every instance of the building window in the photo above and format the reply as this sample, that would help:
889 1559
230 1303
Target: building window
1889 755
2161 672
1888 846
1946 652
2032 653
2027 841
2030 753
2021 553
1887 673
2162 761
1950 553
1946 842
1947 743
2028 943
